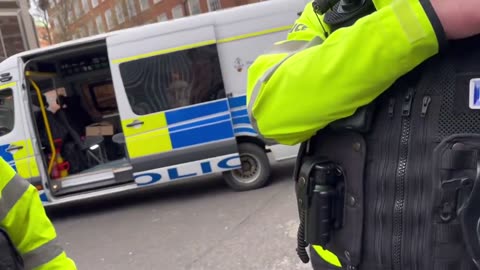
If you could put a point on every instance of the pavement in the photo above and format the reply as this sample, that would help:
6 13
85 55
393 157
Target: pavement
193 225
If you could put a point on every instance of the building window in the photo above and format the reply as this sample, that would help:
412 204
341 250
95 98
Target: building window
7 115
173 80
71 16
56 24
177 11
132 11
91 28
94 3
85 5
156 1
119 12
51 3
214 5
82 32
194 7
109 19
144 5
77 9
162 17
99 22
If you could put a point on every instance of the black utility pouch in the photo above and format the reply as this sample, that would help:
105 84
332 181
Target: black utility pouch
456 179
331 181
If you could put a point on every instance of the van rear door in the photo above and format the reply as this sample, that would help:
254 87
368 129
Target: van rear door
15 144
172 102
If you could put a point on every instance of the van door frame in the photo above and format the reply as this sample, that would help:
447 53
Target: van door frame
23 135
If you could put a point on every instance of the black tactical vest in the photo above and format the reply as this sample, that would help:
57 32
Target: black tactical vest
397 186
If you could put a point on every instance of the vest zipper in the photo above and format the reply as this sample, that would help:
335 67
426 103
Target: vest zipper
399 202
391 107
425 104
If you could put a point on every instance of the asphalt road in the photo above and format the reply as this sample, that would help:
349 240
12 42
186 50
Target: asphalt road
197 225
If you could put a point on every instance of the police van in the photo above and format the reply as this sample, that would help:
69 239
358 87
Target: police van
142 106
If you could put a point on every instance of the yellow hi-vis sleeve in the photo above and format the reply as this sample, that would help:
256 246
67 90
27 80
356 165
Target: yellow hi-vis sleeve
291 96
23 217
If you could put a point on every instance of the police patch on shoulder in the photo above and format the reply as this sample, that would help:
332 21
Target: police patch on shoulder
474 96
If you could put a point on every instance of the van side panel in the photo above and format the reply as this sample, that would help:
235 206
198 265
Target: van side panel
172 101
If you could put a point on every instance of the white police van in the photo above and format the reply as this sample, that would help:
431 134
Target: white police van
141 106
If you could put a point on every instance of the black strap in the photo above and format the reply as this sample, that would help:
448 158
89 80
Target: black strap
459 159
9 256
448 233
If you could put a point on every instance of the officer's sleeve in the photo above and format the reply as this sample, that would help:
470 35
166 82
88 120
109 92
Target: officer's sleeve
291 96
23 216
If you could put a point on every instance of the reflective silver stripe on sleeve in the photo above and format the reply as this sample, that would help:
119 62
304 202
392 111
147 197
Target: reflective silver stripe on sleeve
287 47
291 47
11 194
42 254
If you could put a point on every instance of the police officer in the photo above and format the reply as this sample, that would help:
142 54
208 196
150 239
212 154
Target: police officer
23 218
383 98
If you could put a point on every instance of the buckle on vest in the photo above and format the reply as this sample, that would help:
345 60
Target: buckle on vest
450 197
320 193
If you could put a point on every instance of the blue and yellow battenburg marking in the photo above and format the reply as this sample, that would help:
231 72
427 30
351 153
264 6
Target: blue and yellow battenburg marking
22 161
188 126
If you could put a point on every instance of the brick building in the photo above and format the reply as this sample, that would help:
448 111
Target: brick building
71 19
17 31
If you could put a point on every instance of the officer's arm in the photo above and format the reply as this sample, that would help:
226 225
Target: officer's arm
23 217
349 69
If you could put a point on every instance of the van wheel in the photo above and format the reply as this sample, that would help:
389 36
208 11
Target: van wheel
255 171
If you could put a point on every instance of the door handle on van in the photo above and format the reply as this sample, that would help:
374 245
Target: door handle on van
135 123
14 147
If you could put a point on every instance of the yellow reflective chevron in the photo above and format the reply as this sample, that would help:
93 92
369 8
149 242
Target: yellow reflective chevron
327 256
152 137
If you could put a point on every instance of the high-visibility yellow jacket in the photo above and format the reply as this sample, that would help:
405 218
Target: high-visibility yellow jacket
23 217
297 88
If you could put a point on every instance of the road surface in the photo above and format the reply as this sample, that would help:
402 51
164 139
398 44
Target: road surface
195 225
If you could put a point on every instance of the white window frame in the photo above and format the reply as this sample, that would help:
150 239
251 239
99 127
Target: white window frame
162 17
180 8
120 13
86 6
91 28
95 3
144 5
109 19
209 2
190 7
130 7
99 24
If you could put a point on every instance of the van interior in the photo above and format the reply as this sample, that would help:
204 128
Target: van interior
75 114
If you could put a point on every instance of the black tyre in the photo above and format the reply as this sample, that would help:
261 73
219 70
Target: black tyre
255 171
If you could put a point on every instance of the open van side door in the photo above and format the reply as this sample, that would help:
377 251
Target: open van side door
15 143
172 102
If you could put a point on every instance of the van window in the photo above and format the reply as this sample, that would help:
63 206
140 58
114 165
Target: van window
173 80
6 111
